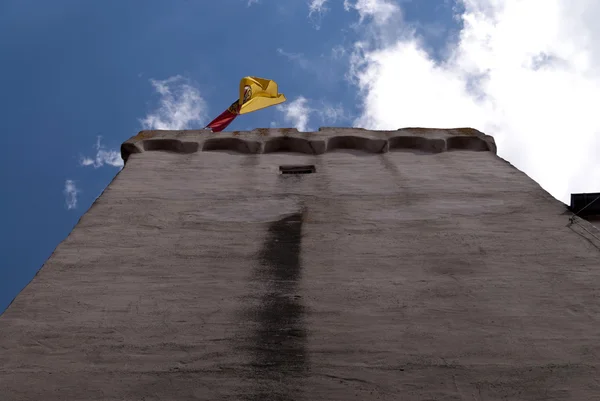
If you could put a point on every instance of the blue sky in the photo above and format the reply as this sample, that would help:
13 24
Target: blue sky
79 78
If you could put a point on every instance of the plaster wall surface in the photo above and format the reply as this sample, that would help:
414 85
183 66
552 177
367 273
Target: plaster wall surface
394 272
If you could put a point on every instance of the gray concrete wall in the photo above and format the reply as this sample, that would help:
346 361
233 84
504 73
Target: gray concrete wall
403 269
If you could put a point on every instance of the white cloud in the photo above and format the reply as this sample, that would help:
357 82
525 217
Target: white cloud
70 193
180 105
298 113
103 157
525 71
250 2
316 10
380 10
330 114
317 6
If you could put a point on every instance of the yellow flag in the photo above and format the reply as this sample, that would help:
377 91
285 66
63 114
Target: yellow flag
258 93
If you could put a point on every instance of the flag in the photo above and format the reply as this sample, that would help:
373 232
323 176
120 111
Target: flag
255 94
258 93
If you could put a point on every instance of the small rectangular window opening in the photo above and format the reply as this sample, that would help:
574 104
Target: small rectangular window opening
308 169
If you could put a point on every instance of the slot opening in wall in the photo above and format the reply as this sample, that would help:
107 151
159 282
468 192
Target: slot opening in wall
295 169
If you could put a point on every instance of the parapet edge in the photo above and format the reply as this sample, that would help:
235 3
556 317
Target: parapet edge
326 139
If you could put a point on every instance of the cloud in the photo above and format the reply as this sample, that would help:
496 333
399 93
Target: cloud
298 113
102 157
381 11
250 2
70 193
297 58
180 105
316 11
526 72
330 114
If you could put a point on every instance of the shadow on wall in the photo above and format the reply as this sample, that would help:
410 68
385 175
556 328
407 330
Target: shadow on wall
171 145
357 143
466 143
417 143
231 144
290 144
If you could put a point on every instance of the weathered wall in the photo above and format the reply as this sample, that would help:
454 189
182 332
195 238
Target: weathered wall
403 272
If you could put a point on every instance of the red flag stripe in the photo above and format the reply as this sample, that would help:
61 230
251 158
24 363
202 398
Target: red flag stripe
225 118
222 121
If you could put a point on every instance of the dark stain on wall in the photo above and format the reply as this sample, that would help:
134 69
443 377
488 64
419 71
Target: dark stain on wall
278 340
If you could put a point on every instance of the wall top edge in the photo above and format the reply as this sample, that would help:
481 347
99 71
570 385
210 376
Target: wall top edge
270 140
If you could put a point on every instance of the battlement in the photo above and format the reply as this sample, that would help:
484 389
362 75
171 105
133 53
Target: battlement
327 139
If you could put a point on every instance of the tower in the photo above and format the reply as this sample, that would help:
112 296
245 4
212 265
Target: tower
340 264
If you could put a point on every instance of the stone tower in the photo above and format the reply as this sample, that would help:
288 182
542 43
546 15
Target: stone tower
341 264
